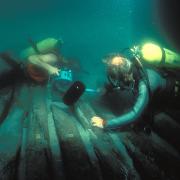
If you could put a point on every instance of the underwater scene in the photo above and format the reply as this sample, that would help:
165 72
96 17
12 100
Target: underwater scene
89 90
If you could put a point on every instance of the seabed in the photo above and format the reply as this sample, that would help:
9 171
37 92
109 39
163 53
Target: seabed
41 138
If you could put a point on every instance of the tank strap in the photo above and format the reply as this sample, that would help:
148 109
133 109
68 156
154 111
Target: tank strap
34 46
142 73
163 59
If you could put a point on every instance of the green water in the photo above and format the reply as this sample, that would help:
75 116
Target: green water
90 29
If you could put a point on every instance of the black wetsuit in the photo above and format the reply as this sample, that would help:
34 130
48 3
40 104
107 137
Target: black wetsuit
145 91
19 74
13 76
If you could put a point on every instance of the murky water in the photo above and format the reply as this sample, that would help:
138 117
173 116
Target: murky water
90 29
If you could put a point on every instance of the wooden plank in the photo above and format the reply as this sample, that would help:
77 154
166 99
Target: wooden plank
77 164
146 168
37 162
106 151
158 152
55 149
10 138
86 138
168 129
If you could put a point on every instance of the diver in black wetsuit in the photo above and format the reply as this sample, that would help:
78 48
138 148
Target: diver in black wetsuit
131 75
36 70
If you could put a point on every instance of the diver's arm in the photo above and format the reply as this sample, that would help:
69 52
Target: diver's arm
40 63
137 109
9 60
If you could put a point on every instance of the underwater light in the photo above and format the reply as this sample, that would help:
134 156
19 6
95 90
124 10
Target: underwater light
151 53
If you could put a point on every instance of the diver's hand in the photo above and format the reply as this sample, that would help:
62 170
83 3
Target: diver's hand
97 121
54 71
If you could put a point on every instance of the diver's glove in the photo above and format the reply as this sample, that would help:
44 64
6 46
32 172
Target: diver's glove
98 122
104 124
53 71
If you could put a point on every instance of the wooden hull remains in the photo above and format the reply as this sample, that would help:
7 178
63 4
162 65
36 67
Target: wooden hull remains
42 139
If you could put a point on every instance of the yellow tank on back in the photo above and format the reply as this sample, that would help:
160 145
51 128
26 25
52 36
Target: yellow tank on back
153 54
43 46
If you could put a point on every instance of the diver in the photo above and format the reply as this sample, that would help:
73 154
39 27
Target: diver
36 68
146 84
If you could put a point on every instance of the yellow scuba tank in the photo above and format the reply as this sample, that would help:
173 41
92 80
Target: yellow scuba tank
42 46
158 56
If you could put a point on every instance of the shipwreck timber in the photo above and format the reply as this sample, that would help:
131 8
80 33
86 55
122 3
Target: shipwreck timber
41 138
